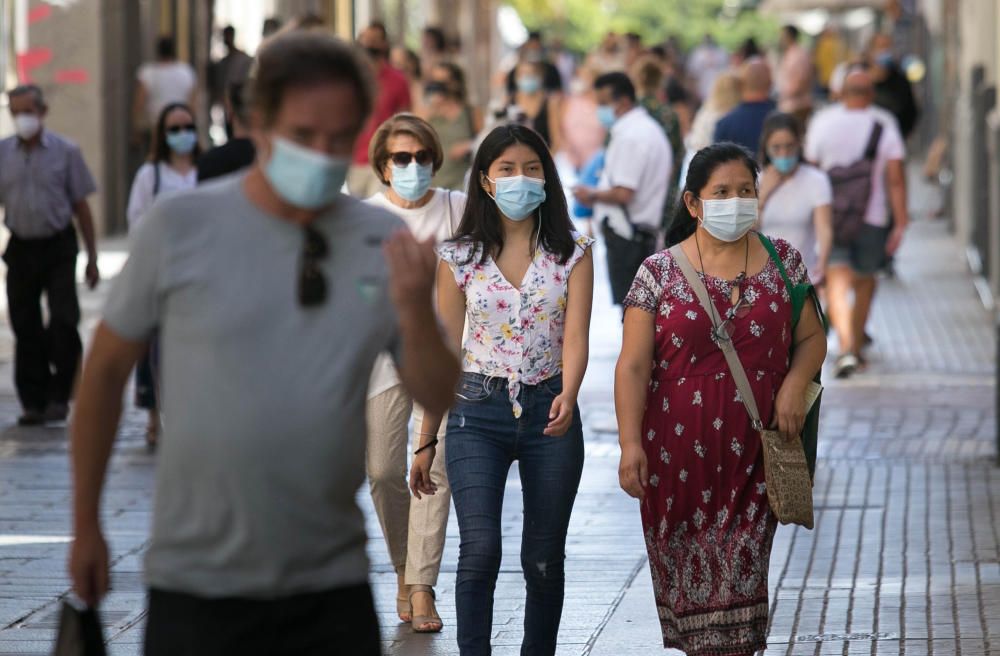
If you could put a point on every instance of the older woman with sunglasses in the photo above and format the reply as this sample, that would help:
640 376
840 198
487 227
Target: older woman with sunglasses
690 452
406 153
171 167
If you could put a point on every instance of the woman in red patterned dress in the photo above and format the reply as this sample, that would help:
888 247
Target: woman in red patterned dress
689 451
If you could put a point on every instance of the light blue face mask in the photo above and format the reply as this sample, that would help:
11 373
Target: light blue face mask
785 164
182 142
411 182
303 177
606 115
529 84
518 196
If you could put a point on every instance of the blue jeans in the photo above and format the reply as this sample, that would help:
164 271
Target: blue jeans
484 439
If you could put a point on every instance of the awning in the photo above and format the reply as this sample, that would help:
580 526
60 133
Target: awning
780 6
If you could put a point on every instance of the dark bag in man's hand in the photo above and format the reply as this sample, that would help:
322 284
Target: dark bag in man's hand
79 632
852 189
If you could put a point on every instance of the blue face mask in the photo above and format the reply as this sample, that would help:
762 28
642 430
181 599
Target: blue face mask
411 182
606 115
182 142
529 84
303 177
518 196
785 164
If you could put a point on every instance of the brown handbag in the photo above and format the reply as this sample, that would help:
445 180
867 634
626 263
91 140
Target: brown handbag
786 473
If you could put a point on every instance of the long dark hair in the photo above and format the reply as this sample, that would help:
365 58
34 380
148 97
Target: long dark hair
161 151
775 123
700 170
481 222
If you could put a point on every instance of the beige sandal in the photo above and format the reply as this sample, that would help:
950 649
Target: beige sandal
404 610
425 623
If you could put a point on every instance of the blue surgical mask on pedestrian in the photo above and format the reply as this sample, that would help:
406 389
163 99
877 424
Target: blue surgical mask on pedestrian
529 84
303 177
412 181
182 142
729 219
606 115
785 165
518 196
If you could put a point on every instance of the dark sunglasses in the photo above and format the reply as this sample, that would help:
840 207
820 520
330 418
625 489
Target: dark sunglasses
175 129
312 282
423 158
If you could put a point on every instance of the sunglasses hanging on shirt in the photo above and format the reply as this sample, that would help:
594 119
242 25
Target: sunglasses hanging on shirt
312 283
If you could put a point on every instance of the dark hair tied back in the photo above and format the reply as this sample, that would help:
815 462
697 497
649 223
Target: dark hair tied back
702 166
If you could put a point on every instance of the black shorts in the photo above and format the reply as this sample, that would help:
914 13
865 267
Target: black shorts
866 254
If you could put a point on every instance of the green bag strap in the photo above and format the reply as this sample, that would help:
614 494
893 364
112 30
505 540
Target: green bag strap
797 293
773 252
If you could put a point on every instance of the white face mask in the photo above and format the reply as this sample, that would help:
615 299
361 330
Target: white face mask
729 219
27 125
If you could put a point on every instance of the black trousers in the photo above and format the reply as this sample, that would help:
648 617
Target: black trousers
46 358
625 256
339 622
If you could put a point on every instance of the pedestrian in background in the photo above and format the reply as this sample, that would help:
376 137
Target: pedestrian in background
171 164
795 196
648 78
830 52
274 294
795 76
725 96
407 62
841 136
893 91
745 122
237 153
171 167
161 83
44 183
690 454
405 154
233 68
455 121
392 97
706 61
534 106
522 280
628 201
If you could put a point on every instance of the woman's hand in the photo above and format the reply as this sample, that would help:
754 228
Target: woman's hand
560 416
633 471
420 473
790 408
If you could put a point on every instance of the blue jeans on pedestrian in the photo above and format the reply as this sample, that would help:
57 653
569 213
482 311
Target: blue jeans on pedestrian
484 438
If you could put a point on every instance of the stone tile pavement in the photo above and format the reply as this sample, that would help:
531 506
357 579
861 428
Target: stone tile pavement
905 557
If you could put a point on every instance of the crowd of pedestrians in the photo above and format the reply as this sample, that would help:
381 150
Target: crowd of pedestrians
405 268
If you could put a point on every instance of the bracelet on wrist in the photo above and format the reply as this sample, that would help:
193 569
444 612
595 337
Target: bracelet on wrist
426 446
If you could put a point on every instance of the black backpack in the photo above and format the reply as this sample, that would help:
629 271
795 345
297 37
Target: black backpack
852 189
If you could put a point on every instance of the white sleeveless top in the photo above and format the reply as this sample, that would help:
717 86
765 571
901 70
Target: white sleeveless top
512 333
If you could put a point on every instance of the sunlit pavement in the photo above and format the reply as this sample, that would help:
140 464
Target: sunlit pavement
904 557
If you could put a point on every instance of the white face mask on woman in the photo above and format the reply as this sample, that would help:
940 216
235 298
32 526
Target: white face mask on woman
729 219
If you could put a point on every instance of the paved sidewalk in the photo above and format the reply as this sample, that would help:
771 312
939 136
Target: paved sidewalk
904 558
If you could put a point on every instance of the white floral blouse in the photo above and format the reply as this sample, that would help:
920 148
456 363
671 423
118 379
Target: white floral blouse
513 333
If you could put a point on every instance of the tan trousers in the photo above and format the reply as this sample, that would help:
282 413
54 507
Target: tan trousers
362 182
414 529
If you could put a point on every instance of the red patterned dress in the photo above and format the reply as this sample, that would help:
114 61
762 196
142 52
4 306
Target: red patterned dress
706 519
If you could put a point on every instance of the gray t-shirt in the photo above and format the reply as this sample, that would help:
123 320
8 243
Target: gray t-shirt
263 400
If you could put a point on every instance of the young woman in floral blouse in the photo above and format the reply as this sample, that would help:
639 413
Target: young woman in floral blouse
522 281
689 451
